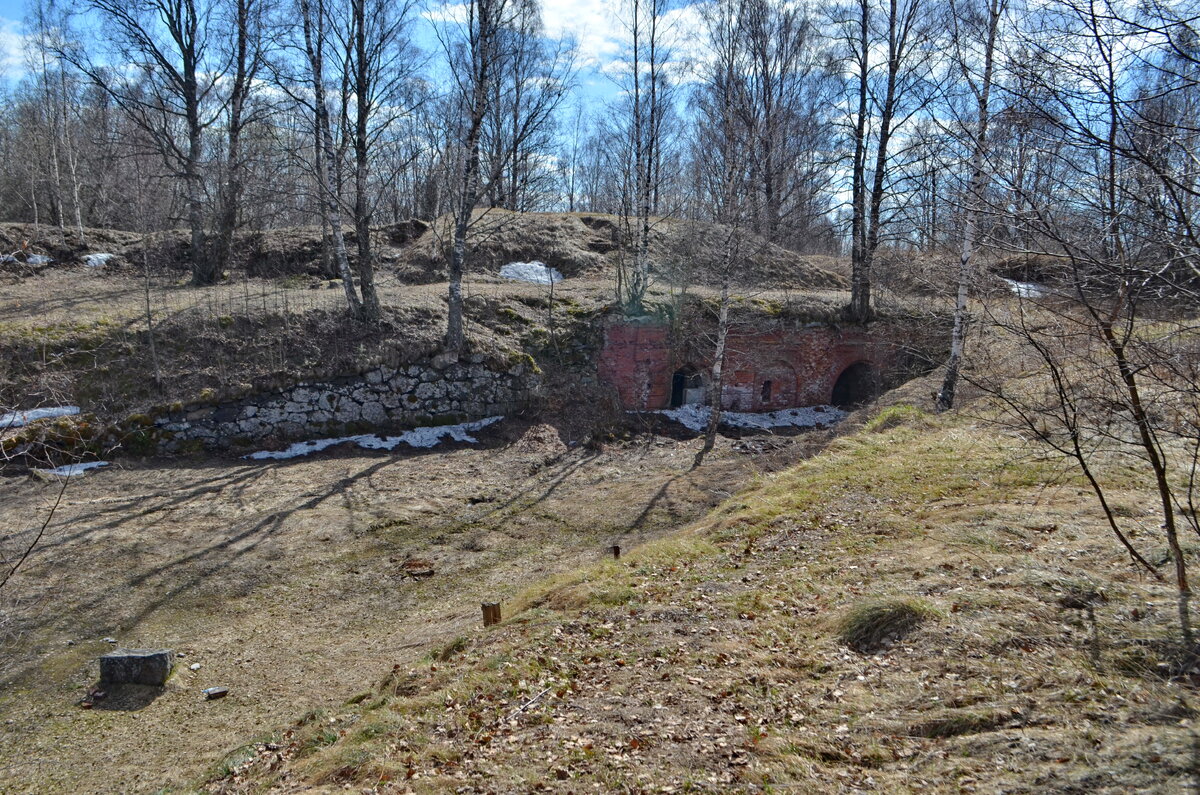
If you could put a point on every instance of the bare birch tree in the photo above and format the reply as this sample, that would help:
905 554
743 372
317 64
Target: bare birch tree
168 47
722 147
884 97
1119 376
477 58
648 95
981 87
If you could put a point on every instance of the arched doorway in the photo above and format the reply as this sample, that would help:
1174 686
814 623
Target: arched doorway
857 384
687 387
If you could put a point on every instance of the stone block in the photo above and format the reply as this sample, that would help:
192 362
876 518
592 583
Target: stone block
374 413
136 666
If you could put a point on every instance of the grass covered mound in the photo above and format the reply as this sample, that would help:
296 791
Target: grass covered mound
888 615
589 244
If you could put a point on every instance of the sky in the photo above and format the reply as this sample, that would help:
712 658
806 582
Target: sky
594 25
11 12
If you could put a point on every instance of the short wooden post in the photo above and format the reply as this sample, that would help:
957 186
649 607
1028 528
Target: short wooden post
491 613
616 551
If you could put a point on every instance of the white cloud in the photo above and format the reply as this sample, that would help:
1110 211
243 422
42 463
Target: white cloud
595 25
12 49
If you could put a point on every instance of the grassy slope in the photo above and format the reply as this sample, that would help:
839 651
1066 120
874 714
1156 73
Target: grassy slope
710 660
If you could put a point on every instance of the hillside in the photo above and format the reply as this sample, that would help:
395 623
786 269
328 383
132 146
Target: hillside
413 252
919 608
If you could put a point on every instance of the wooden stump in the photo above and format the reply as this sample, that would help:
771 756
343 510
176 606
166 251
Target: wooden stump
491 613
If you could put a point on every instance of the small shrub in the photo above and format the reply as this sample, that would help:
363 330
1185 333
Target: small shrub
896 416
317 740
958 723
452 648
867 626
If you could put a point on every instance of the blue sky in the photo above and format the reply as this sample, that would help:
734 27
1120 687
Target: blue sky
11 12
593 24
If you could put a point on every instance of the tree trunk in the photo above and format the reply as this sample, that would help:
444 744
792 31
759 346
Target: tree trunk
333 213
229 199
718 368
860 281
482 52
203 271
455 334
945 398
332 210
362 201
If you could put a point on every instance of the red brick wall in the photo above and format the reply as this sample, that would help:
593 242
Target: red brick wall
803 365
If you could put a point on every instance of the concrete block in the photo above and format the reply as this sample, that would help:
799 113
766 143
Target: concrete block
136 666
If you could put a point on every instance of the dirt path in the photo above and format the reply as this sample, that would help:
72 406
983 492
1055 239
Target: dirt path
285 582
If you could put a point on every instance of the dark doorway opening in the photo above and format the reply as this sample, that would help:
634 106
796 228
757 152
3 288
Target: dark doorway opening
857 384
766 391
687 386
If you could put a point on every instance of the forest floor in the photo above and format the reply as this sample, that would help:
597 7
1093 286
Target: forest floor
286 582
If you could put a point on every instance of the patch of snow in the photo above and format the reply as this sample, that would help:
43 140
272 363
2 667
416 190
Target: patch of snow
417 437
695 417
17 419
38 259
1026 289
536 272
97 260
74 469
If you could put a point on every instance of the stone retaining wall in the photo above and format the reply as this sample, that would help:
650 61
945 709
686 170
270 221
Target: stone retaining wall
381 399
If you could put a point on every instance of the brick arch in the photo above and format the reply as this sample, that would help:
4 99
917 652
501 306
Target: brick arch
856 384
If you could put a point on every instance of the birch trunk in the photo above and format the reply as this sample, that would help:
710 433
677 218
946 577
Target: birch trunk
958 337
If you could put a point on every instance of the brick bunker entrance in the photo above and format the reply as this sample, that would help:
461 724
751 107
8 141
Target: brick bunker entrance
764 371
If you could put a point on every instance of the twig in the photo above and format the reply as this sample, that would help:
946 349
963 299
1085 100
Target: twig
37 538
511 715
526 705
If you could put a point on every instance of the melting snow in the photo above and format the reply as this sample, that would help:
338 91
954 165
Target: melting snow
536 272
74 469
1026 289
97 260
38 259
695 417
17 419
417 437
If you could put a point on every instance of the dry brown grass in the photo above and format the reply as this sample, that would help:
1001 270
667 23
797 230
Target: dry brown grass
710 659
286 582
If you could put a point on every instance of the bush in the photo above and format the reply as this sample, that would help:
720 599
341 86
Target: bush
867 627
895 416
